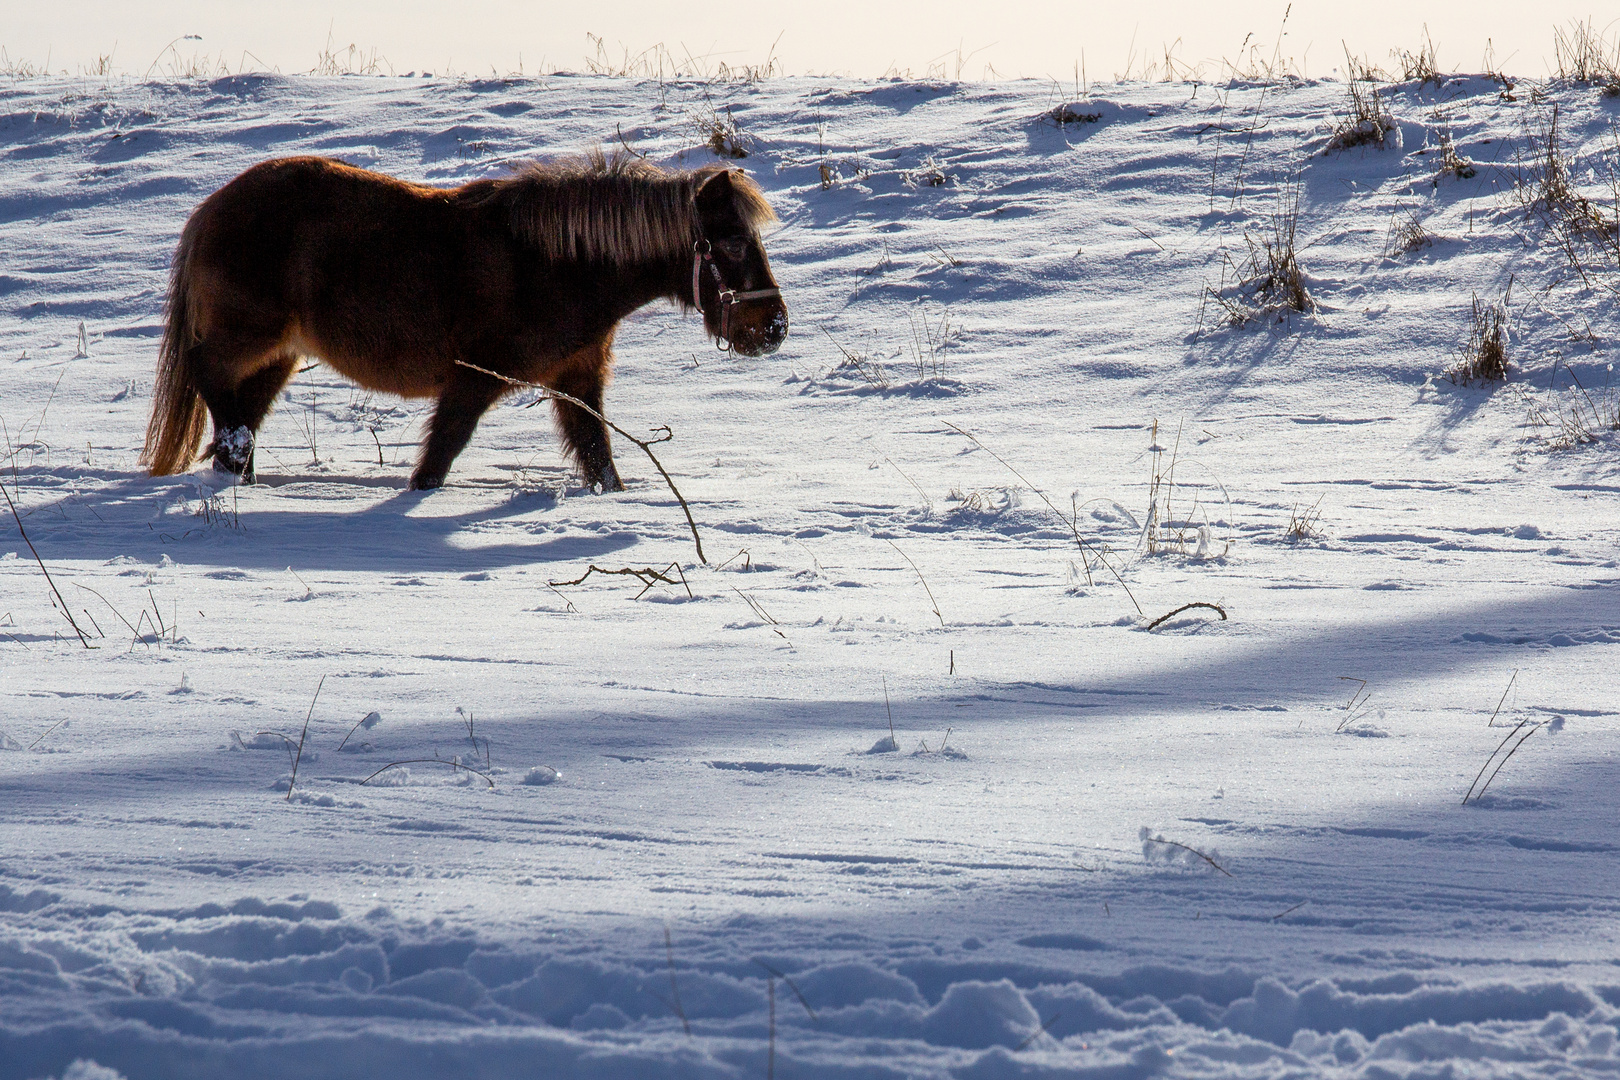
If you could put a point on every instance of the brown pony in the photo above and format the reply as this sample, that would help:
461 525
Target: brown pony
393 283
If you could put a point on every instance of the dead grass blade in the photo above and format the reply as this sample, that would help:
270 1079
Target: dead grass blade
59 603
1038 1032
674 990
920 578
48 730
764 616
1191 850
302 736
1492 721
1074 529
791 986
430 761
1216 608
1533 726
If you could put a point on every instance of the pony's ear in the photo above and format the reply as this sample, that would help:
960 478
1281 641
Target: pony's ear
717 198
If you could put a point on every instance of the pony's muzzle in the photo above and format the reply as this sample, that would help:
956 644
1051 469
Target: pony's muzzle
759 332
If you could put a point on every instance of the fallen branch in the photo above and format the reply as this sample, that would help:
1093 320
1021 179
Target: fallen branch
1216 608
646 575
645 444
58 603
428 761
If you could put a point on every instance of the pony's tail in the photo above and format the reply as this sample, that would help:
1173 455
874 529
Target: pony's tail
179 416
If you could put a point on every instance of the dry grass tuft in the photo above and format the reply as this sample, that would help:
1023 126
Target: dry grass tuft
930 341
18 68
1304 523
350 61
1406 234
721 134
1269 284
1453 163
983 502
659 63
1368 121
1164 531
1586 56
1588 235
929 173
1072 113
1421 67
1360 69
1484 358
1254 66
1584 415
866 367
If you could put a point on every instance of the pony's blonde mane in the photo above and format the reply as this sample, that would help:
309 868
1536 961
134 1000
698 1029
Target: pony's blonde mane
619 211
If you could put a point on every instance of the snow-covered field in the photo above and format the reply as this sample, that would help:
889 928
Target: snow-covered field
700 856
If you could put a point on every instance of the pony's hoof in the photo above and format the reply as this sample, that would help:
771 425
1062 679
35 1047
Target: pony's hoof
425 483
602 483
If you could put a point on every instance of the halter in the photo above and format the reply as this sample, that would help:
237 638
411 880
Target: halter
703 253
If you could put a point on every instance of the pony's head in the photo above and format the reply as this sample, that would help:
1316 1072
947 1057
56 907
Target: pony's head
732 283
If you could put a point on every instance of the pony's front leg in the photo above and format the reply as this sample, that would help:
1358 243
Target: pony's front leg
467 397
585 436
237 404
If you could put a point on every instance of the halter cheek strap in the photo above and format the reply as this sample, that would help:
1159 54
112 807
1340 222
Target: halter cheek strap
703 254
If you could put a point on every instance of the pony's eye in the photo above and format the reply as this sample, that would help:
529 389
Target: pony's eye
732 248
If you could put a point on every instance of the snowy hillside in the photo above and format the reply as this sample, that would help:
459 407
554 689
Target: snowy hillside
664 831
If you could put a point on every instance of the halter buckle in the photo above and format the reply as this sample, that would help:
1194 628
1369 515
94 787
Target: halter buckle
703 252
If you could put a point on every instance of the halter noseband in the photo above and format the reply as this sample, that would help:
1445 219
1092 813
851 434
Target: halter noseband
703 252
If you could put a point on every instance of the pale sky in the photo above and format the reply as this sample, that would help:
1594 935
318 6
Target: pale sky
1014 37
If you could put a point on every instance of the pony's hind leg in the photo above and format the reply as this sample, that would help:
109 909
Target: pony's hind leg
468 396
584 376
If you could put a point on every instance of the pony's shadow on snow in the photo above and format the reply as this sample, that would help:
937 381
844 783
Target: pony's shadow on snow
386 538
395 534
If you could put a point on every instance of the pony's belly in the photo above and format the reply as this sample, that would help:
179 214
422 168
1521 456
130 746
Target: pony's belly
390 367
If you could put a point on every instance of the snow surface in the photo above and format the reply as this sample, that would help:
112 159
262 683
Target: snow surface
1090 849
